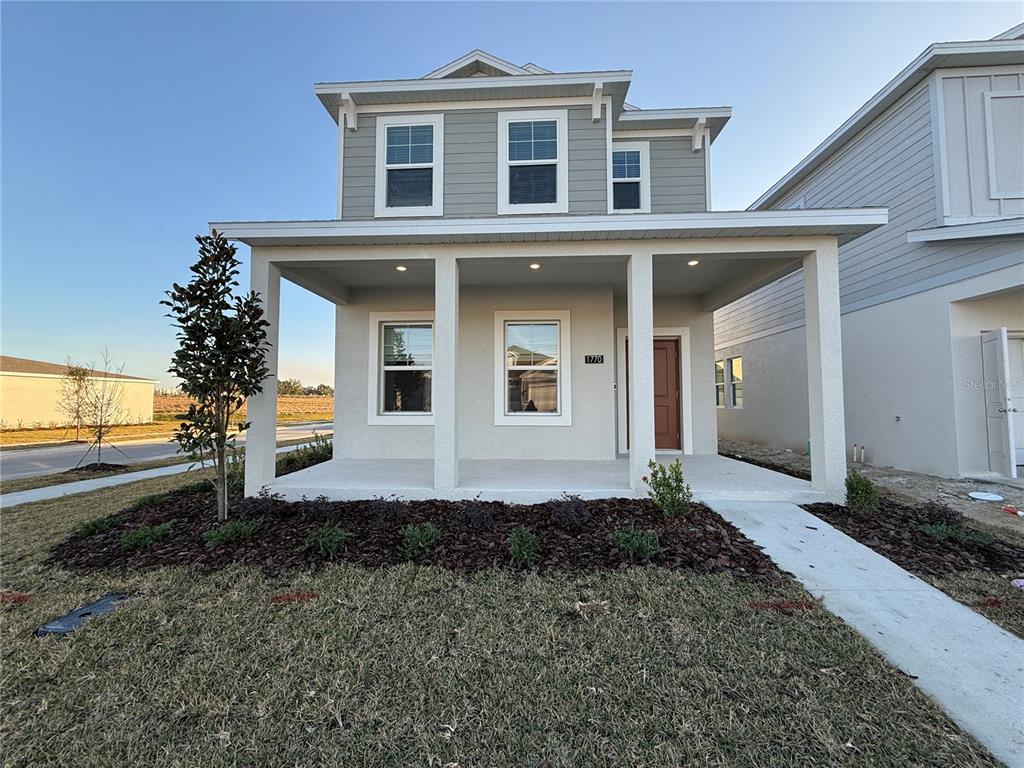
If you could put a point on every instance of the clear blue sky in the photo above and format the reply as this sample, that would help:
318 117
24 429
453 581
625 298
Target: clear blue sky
126 127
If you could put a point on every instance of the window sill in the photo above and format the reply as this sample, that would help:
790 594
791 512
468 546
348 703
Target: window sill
564 420
532 208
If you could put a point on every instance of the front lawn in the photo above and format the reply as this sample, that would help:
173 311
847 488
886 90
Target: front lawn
421 665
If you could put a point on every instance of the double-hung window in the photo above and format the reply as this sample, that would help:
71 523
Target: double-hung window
401 360
410 167
729 382
720 383
532 368
533 174
630 178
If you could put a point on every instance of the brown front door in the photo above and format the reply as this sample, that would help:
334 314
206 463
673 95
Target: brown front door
666 394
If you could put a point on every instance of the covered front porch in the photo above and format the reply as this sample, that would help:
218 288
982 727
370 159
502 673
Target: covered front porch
526 481
597 283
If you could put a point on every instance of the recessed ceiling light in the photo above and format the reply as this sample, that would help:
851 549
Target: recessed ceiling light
692 263
535 266
400 268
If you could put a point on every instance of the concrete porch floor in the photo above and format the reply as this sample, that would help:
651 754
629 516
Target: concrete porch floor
713 478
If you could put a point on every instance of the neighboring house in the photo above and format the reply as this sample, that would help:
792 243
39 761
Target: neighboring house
30 391
933 302
502 233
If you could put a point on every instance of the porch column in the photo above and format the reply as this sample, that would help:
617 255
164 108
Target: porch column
261 439
443 389
825 370
640 298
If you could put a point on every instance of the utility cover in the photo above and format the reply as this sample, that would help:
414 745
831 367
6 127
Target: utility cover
985 496
72 620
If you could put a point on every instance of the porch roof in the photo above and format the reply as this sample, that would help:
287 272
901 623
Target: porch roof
846 224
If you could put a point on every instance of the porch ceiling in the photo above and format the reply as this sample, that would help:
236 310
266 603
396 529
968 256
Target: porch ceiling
673 276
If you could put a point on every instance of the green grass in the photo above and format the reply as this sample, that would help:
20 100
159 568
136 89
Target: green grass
416 666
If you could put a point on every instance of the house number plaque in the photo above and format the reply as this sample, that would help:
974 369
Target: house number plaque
593 359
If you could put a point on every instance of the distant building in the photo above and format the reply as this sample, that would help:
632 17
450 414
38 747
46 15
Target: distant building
30 391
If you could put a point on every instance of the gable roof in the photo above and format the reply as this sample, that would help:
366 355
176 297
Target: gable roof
977 53
10 364
478 63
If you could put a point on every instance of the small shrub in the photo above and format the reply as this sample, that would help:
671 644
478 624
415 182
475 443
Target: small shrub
327 541
667 488
637 544
318 508
96 525
235 472
570 512
149 500
231 531
318 450
933 512
145 536
255 506
387 511
523 547
418 538
861 494
476 514
958 533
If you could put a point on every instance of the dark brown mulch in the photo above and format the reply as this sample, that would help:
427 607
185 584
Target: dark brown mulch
96 467
474 536
782 469
895 532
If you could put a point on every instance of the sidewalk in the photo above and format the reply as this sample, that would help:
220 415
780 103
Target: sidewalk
82 486
970 667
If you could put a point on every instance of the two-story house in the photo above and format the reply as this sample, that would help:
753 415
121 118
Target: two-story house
933 302
503 234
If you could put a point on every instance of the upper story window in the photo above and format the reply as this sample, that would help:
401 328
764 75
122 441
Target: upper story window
410 160
533 170
630 178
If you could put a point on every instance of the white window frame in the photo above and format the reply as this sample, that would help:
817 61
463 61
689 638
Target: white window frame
644 148
724 385
561 204
564 416
375 414
730 383
993 192
380 196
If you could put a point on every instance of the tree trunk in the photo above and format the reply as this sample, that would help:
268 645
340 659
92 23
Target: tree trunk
222 484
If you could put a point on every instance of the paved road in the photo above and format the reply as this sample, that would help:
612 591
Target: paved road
29 462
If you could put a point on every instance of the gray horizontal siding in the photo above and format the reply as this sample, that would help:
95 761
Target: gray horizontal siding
890 163
470 163
358 170
677 176
588 163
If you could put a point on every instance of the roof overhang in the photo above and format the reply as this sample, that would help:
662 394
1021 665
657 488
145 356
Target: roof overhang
613 84
980 230
982 53
845 224
710 119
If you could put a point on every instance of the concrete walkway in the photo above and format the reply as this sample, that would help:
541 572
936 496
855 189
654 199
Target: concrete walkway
972 668
82 486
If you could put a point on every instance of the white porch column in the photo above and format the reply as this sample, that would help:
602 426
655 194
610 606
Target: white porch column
640 300
261 440
443 389
825 370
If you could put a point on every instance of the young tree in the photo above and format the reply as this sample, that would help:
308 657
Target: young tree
71 399
289 387
221 357
104 396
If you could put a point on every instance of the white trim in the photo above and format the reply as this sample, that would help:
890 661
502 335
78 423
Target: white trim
380 209
702 224
677 113
994 228
938 126
561 163
476 55
707 177
895 89
564 416
463 83
993 192
644 148
682 333
374 382
341 158
548 102
654 133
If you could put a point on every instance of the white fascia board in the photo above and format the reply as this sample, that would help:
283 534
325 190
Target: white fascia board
635 222
998 228
693 113
935 56
476 55
461 83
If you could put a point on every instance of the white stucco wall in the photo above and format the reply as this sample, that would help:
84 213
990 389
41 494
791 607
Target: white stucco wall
594 315
908 358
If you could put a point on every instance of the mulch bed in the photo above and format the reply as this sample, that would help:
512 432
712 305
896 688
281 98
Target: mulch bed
474 536
782 469
895 532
